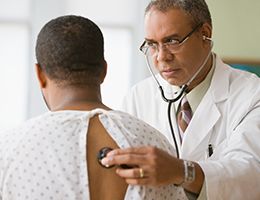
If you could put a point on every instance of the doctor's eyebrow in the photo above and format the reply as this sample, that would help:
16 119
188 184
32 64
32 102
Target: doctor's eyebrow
165 39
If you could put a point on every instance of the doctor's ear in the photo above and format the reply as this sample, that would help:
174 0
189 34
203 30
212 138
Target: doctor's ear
40 76
206 31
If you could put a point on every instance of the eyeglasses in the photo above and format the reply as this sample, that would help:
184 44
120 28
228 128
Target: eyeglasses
152 48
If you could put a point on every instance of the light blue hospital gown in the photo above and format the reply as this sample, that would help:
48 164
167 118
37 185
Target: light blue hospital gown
45 158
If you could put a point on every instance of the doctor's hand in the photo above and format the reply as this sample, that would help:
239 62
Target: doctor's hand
150 166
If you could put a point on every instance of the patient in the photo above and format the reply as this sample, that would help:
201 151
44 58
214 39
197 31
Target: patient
54 156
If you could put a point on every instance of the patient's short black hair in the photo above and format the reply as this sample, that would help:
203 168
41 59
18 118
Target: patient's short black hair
70 49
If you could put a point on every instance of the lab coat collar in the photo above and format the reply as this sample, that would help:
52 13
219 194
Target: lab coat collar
219 86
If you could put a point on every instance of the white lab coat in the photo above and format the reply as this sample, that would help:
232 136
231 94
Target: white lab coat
228 117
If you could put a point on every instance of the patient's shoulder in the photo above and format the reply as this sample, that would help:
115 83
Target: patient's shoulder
129 131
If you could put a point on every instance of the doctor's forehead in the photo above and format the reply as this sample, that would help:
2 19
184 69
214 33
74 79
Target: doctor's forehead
158 24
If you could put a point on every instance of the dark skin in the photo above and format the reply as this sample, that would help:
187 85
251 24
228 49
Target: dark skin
86 98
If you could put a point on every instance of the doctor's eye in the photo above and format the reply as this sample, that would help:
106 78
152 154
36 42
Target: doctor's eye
172 41
151 44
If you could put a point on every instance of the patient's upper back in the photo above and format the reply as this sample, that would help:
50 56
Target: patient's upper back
103 183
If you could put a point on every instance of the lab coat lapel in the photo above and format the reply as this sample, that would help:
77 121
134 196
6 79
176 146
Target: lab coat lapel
199 129
206 116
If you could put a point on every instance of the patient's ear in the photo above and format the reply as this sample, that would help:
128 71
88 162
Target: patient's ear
104 73
40 76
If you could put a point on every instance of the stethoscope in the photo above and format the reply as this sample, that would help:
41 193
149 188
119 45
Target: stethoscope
180 94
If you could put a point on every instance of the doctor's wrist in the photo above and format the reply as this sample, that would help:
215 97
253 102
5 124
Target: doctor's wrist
193 177
188 173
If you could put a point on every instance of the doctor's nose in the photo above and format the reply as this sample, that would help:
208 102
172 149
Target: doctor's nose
163 54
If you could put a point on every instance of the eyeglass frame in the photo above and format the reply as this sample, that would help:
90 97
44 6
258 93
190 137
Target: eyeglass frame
143 48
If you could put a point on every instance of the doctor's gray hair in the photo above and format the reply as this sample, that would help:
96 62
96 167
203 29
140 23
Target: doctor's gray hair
197 9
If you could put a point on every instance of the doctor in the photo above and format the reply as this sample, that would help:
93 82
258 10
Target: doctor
219 151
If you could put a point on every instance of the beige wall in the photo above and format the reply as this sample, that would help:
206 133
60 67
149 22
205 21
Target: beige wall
236 28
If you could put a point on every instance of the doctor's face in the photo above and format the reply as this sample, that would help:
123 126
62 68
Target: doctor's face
177 63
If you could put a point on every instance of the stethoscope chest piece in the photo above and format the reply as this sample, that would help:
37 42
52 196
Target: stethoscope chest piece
102 154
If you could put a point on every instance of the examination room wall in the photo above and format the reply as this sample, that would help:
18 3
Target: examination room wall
236 34
236 29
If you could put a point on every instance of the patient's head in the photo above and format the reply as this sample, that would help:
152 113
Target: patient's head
70 51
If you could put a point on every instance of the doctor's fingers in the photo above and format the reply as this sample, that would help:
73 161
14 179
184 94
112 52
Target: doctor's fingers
139 176
128 159
133 150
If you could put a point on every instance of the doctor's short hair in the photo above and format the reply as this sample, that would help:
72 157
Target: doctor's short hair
70 50
197 9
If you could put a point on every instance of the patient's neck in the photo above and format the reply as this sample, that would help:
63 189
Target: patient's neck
76 98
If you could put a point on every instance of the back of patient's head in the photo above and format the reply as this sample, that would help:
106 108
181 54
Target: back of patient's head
70 50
